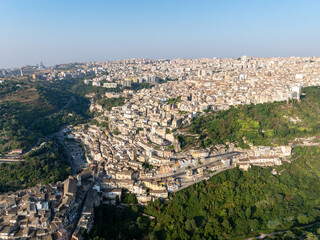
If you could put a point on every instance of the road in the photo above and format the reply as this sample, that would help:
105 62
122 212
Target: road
186 184
18 157
60 137
264 235
181 171
8 160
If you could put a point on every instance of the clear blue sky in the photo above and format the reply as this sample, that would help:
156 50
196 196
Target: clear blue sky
60 31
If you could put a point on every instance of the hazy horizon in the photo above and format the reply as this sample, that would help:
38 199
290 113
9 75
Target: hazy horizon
122 59
58 32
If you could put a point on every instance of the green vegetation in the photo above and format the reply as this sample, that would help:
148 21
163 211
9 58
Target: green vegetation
113 223
262 124
47 168
83 89
8 87
104 125
76 113
22 105
139 129
128 198
139 86
183 112
94 122
109 103
161 81
44 148
231 205
174 100
309 232
146 165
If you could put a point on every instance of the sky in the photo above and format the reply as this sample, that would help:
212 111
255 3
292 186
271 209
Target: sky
63 31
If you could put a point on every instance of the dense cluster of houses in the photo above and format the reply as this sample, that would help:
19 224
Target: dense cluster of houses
46 212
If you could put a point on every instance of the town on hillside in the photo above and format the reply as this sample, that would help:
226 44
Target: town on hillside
134 149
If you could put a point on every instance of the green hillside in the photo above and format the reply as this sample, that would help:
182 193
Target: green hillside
20 104
41 168
261 124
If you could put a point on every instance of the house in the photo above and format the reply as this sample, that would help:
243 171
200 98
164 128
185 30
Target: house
16 151
159 193
173 184
139 189
201 153
108 184
112 193
244 166
127 174
77 234
70 187
286 151
165 169
143 198
154 185
215 166
125 183
158 160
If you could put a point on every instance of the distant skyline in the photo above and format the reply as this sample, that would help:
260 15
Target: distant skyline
63 31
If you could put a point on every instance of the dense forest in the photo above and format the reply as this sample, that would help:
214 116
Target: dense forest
112 222
231 205
261 124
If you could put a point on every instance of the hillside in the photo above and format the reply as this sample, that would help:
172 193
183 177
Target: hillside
37 168
20 104
261 124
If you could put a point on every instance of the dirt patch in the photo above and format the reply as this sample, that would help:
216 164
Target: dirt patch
23 95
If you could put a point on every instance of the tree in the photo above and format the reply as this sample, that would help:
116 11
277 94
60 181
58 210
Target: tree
311 236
